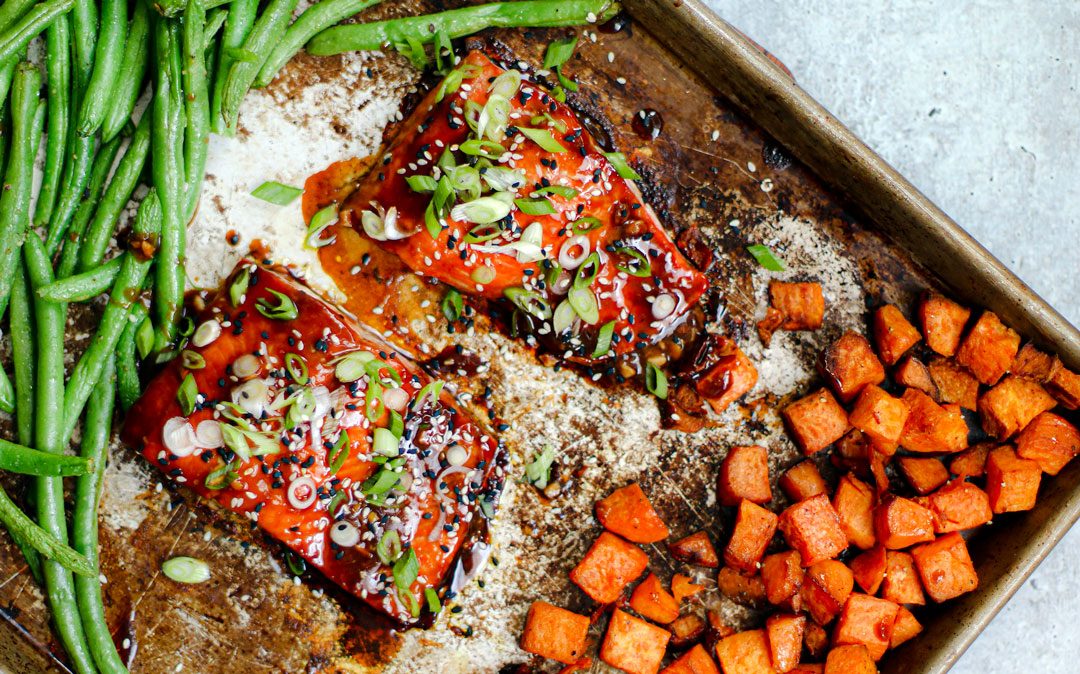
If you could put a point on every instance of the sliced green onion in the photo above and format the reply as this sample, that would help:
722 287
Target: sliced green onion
415 51
584 302
276 193
506 84
301 409
494 118
186 327
765 257
297 368
543 138
389 547
466 181
551 121
336 501
285 310
529 301
587 271
452 82
563 317
442 41
618 161
295 562
481 211
565 82
434 390
397 424
422 184
560 190
406 569
144 337
482 233
186 570
432 598
587 224
375 368
552 273
239 287
186 395
637 266
191 360
535 206
502 179
655 381
222 476
603 339
338 453
480 148
446 159
322 219
385 443
559 52
373 403
380 482
538 471
452 306
352 366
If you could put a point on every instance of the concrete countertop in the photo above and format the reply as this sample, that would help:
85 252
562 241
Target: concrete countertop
977 103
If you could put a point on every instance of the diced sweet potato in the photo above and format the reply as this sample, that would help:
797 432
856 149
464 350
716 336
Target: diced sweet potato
717 624
900 522
849 365
816 421
809 668
1011 405
911 372
1064 385
554 633
802 481
971 462
694 661
853 502
945 567
825 589
879 415
652 601
942 322
1049 441
816 639
924 474
989 349
633 645
812 528
954 383
1012 483
1031 363
628 513
853 659
741 589
744 474
868 621
610 565
695 549
869 569
728 380
959 505
683 587
931 427
852 453
785 632
782 575
901 580
686 629
893 334
745 653
802 304
754 528
774 318
905 628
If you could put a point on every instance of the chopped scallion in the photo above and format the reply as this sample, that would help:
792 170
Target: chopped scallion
656 381
535 206
452 305
538 471
543 138
560 190
406 569
432 597
191 360
422 184
765 257
186 395
285 310
239 287
276 193
186 570
603 339
584 302
618 161
322 219
389 547
297 368
559 52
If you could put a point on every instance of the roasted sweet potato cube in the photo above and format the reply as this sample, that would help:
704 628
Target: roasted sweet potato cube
717 624
803 481
633 645
1031 363
802 304
879 415
628 513
694 661
812 528
905 627
783 575
1049 441
809 668
901 580
745 653
816 421
683 587
740 588
686 629
945 567
868 621
652 601
785 632
853 502
959 505
924 474
1064 385
744 474
900 522
971 462
554 633
893 334
853 659
942 322
816 639
954 384
849 365
911 372
825 589
729 379
869 569
754 528
931 427
695 549
1012 483
1011 405
989 348
610 565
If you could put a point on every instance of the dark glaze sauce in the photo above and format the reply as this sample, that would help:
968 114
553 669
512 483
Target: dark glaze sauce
647 124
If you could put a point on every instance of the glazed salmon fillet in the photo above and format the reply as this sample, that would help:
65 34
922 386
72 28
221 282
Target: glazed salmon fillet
282 410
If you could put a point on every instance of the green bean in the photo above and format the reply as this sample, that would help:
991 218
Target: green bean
14 40
7 393
215 19
196 105
95 185
269 29
237 26
315 19
49 437
11 11
7 74
461 22
76 174
124 291
28 461
108 56
44 542
128 386
84 31
132 72
168 171
85 286
58 70
115 198
171 8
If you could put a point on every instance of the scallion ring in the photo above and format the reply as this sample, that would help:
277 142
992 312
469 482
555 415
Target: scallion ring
452 306
529 301
422 184
587 224
638 265
284 310
186 570
344 534
587 271
563 317
466 182
494 118
656 381
584 302
574 251
618 162
297 368
506 84
239 287
481 211
483 275
322 219
543 138
191 360
187 395
603 339
389 547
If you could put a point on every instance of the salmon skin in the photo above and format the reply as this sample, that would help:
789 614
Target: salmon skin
496 188
281 410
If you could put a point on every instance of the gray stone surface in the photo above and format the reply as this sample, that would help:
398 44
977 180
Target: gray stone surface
977 103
